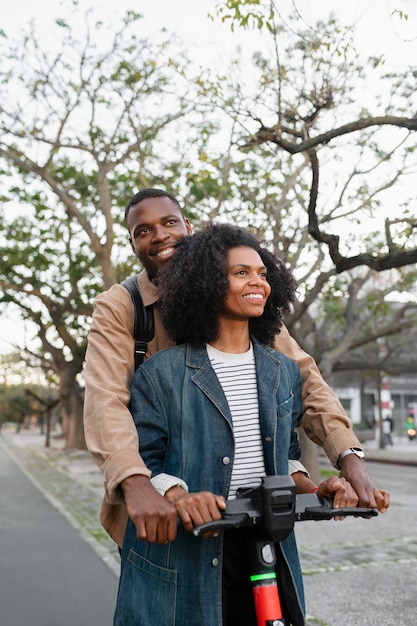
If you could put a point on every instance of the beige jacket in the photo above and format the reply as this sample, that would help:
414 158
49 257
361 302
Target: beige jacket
109 429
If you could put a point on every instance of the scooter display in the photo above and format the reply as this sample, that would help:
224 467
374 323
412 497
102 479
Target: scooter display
272 510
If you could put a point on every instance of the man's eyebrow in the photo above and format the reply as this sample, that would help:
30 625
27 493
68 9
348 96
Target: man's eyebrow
170 216
164 218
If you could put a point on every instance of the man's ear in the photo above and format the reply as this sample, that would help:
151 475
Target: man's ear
132 246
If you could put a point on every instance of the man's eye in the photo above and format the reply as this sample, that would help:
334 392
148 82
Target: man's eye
141 232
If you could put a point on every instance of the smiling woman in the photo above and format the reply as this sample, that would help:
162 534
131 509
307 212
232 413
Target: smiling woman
215 414
214 269
216 398
248 285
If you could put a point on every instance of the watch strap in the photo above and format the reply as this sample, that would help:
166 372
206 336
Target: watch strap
356 451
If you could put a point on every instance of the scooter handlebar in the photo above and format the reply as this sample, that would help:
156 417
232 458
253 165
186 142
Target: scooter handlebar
249 511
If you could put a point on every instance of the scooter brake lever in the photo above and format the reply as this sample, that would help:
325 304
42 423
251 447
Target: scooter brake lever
320 513
227 522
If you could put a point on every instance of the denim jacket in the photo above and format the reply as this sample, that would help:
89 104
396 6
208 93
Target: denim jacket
185 429
110 432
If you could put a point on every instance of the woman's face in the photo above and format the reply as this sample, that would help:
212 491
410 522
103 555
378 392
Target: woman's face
248 287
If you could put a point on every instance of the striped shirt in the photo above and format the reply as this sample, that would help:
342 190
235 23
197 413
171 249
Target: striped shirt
237 376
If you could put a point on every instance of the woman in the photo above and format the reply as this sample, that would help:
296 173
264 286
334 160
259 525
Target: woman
215 413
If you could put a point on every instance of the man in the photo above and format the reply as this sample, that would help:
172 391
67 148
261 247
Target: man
155 223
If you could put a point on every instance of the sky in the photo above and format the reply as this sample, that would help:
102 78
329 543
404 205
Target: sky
377 31
376 28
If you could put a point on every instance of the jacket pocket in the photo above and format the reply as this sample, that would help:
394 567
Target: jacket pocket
147 594
284 409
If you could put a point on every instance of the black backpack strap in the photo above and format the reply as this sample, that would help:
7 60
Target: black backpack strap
143 328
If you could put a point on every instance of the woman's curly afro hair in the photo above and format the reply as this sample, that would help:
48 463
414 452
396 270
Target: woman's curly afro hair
193 286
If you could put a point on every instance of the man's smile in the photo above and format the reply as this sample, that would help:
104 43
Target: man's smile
164 252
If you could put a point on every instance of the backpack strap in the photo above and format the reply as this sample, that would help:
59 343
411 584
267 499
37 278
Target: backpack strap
143 327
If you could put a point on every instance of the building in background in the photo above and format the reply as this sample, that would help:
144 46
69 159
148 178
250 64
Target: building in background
359 395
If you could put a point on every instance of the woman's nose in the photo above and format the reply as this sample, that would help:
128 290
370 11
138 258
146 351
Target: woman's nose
255 279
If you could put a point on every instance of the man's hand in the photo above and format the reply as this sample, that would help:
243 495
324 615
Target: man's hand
354 471
155 519
340 491
197 508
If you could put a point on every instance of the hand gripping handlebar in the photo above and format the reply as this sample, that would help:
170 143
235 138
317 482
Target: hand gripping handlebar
269 512
274 506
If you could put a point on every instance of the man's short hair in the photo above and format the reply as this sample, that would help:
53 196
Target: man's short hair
150 192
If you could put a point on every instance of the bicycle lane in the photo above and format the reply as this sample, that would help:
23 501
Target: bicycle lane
49 574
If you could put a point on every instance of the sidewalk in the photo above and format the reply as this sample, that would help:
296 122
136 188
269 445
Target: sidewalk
403 452
74 484
49 574
69 479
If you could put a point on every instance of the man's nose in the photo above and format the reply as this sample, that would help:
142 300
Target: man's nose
160 234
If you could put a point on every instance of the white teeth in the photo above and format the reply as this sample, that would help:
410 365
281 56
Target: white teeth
255 296
165 252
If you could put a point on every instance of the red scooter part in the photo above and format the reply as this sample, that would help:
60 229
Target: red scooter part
273 508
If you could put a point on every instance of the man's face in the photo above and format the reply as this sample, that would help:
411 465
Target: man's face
155 225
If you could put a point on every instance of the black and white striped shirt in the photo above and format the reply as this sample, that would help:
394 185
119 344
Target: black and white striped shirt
237 376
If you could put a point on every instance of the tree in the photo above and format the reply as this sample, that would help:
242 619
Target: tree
305 112
86 124
306 103
82 126
302 113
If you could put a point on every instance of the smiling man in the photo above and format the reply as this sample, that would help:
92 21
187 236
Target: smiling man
155 223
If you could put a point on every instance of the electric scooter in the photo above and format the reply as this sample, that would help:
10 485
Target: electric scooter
272 509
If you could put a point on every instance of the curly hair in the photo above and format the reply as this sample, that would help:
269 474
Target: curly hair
193 285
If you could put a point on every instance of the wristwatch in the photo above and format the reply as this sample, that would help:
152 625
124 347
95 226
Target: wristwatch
357 451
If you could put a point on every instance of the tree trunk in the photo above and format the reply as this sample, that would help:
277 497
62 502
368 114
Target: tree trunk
75 436
72 400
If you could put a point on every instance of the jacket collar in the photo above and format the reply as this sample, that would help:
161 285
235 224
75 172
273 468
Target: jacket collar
197 355
148 290
268 374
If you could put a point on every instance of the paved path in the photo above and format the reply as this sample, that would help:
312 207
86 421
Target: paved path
356 572
364 572
49 575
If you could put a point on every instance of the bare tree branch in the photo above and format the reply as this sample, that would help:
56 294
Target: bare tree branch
275 134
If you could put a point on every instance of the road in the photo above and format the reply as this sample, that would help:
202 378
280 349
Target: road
356 572
49 575
364 572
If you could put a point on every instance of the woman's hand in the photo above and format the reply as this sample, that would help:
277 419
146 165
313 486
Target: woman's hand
197 508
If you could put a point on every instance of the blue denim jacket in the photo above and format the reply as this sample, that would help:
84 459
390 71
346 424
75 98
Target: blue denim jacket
185 429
